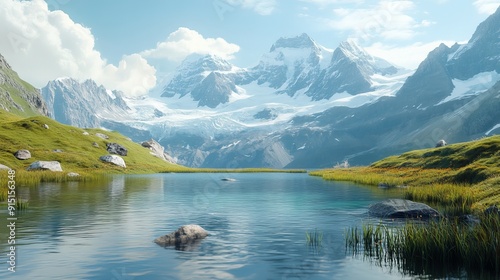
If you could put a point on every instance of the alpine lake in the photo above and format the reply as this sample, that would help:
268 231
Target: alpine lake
257 227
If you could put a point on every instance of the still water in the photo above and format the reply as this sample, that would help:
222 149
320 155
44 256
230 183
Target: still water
257 227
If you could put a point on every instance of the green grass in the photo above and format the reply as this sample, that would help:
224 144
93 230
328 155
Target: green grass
314 238
430 248
464 175
78 154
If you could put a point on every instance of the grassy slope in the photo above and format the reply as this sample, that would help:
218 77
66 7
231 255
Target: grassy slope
464 173
79 155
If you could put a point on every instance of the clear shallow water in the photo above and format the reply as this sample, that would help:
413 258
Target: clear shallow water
257 228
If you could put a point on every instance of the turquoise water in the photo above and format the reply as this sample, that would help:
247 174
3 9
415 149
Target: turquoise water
257 227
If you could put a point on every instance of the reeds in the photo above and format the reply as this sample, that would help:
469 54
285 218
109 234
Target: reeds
314 238
22 204
443 245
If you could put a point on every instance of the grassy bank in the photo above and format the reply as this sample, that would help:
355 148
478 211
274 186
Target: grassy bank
459 179
464 175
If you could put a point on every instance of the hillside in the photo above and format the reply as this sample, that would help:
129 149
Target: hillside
18 96
469 162
466 173
71 147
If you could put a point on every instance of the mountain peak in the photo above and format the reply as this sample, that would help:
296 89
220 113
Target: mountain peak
297 42
207 62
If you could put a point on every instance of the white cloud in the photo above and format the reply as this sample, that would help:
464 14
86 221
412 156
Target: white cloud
42 45
486 6
386 20
409 56
185 41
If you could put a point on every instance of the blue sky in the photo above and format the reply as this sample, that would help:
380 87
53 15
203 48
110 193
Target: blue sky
129 45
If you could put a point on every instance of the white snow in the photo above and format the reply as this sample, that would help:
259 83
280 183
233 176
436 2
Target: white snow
473 86
110 93
184 115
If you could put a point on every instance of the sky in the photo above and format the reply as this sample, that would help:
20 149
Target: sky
133 45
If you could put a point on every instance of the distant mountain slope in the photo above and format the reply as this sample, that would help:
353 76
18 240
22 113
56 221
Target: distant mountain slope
17 96
82 104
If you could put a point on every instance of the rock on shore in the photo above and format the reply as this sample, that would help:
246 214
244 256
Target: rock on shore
402 208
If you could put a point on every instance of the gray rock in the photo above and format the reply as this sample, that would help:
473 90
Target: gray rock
85 133
103 136
45 165
4 167
440 143
73 174
114 159
57 151
402 208
95 144
184 235
114 148
22 154
46 126
158 150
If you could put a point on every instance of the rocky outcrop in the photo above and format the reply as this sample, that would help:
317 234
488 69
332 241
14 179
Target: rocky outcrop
184 235
114 159
45 165
103 136
158 150
402 208
117 149
22 154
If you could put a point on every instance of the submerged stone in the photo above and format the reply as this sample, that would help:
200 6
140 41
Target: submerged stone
402 208
184 235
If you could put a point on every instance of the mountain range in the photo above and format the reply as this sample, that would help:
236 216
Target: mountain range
302 105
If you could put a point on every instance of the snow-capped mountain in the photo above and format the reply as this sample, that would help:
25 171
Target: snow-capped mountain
293 67
83 104
304 105
351 70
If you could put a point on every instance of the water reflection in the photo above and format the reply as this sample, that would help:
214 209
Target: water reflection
257 225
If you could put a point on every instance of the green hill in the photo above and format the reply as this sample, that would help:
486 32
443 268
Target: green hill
71 147
465 174
470 162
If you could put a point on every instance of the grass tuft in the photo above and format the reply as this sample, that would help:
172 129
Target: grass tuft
314 238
